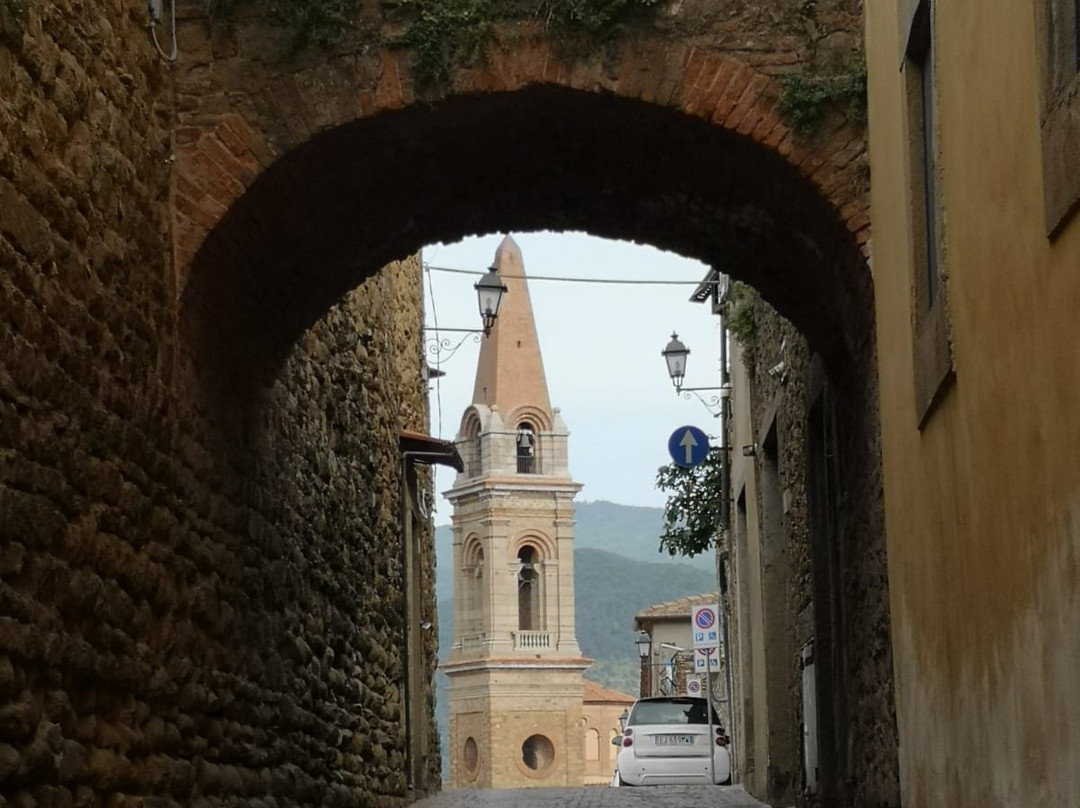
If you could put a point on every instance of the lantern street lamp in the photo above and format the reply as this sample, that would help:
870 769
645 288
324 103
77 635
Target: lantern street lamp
490 290
489 294
675 355
644 645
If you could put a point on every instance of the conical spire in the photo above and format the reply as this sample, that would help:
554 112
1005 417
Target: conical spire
510 372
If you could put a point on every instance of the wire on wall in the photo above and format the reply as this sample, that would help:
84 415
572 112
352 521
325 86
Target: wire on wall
156 12
435 322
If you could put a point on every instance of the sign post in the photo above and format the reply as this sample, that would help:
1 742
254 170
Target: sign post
705 625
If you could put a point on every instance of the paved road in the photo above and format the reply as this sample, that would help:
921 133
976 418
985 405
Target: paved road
596 797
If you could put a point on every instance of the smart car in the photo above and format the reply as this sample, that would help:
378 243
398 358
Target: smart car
667 741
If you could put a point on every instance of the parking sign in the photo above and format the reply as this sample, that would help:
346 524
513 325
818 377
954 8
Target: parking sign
706 626
706 660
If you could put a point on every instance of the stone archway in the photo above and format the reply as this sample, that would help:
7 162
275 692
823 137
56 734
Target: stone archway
294 180
308 179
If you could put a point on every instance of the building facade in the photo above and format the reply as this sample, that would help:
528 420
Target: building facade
671 659
975 133
515 684
603 713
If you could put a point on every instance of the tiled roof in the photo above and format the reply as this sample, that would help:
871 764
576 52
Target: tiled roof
680 607
599 693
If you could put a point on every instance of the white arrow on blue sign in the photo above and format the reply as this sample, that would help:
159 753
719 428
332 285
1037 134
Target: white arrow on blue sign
688 446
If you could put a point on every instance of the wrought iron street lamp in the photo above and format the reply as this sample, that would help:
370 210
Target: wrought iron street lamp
489 294
490 290
675 354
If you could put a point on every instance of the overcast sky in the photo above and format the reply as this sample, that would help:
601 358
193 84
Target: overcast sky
601 345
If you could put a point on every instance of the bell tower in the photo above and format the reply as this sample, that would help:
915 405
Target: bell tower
515 669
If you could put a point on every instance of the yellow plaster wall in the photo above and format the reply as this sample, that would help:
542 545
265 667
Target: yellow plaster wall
603 717
983 505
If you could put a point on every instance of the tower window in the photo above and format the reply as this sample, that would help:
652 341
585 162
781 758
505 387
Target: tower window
472 755
538 752
528 590
526 449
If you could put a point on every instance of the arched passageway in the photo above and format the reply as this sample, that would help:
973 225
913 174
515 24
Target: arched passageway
211 614
351 199
335 209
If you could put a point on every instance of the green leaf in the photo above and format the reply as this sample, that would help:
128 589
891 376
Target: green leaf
692 512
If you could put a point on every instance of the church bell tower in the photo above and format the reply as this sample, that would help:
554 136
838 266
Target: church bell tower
515 669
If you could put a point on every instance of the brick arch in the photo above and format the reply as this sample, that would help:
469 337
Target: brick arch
295 181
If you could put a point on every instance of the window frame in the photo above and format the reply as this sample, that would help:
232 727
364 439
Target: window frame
1058 24
932 357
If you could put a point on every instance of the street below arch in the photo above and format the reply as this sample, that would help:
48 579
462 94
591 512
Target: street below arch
595 797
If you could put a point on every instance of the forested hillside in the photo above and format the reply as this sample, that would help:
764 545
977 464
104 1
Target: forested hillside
628 530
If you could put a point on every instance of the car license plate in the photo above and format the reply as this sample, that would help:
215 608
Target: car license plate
674 740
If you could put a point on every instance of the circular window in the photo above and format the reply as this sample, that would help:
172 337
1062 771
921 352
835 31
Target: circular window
472 754
537 752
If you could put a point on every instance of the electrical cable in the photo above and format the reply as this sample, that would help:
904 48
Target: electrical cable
435 319
153 32
625 281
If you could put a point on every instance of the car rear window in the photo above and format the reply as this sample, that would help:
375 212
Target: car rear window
671 711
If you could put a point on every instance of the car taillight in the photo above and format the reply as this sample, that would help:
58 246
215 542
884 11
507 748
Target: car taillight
627 741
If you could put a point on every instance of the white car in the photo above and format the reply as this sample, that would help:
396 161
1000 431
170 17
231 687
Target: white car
667 742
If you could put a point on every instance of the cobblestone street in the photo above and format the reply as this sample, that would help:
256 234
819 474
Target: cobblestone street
596 797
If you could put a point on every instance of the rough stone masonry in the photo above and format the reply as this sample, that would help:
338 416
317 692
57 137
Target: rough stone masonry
200 595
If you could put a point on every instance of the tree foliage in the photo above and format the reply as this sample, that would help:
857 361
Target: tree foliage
692 512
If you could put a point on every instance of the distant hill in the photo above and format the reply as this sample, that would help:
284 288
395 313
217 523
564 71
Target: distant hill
609 590
628 530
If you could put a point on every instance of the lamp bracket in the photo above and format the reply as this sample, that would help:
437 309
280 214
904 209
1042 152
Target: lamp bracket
443 348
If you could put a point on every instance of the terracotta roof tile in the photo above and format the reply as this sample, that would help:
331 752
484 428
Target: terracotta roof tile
680 607
598 693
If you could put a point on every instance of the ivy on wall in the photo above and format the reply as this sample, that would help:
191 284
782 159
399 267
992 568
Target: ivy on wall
440 33
805 98
319 23
739 316
444 33
314 22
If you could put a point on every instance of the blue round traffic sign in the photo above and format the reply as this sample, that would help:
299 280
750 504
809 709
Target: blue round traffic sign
688 446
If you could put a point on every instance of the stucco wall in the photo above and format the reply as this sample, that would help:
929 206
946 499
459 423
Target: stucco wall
982 504
601 718
195 604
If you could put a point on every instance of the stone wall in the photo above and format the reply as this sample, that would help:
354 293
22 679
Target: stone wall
200 598
825 580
